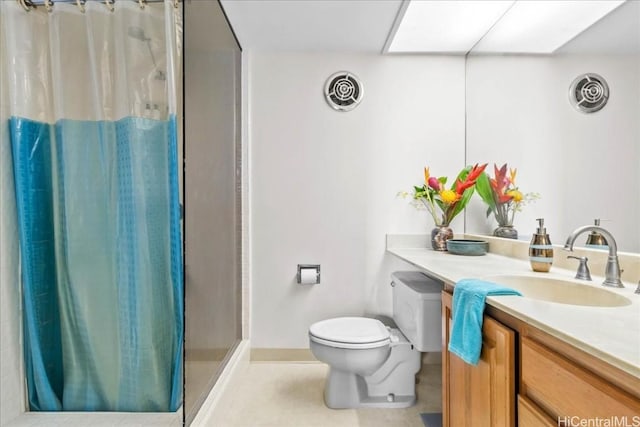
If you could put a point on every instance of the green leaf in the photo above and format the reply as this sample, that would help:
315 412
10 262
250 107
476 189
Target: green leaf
461 176
466 196
462 203
483 187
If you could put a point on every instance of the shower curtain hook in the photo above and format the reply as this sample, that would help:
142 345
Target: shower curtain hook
110 5
24 5
80 5
141 3
48 4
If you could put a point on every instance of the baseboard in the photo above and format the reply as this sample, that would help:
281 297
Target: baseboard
302 355
214 407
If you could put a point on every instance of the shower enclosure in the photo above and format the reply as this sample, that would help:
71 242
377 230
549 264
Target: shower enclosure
213 249
102 140
93 136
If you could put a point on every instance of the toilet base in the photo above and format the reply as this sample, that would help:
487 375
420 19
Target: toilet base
391 386
346 390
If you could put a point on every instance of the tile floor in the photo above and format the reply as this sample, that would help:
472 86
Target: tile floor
290 395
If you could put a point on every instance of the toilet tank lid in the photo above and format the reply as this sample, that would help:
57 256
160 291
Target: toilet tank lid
350 330
419 282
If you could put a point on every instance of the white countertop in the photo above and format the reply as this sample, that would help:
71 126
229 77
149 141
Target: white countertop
611 334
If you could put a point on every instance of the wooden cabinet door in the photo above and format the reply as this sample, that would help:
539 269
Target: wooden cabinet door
482 395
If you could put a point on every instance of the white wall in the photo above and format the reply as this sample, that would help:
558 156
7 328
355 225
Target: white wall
324 183
585 166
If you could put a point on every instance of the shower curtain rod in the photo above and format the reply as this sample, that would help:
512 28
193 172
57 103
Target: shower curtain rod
28 4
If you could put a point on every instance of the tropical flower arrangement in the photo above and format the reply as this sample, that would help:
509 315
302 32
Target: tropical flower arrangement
445 203
502 195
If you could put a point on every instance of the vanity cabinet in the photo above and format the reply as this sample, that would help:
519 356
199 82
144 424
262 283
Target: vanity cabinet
529 378
562 388
481 395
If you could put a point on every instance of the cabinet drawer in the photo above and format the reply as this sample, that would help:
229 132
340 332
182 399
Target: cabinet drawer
562 388
529 415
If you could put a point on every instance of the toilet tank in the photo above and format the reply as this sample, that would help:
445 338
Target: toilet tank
416 308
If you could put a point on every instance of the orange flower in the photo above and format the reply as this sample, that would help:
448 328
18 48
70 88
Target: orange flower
512 174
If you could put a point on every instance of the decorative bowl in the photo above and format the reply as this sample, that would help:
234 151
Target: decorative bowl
467 247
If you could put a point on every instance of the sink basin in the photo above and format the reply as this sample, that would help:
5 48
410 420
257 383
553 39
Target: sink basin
561 291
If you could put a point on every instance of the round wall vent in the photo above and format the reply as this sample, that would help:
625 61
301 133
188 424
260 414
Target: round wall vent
343 91
589 93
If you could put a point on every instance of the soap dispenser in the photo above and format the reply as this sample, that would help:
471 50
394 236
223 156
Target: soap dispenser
540 249
595 239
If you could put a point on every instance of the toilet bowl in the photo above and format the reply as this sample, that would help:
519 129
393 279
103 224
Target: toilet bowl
372 365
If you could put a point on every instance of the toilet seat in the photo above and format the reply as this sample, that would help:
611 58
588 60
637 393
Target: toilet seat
350 332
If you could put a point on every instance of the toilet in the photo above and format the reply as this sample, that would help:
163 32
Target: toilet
373 365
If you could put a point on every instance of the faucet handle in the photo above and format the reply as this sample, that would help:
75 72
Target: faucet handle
638 288
583 272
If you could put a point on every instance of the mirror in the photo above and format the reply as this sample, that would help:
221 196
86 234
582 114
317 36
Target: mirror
584 165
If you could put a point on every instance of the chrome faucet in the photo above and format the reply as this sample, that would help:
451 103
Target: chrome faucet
583 269
612 269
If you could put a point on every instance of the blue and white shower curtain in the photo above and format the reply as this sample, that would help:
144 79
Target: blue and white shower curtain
88 105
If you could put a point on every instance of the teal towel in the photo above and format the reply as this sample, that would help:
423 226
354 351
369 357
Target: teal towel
468 306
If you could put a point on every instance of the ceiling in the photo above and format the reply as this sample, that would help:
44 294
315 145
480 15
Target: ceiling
362 26
618 32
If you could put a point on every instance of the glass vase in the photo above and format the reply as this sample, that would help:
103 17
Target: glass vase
439 236
506 232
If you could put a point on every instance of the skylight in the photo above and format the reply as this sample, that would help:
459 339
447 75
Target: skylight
501 26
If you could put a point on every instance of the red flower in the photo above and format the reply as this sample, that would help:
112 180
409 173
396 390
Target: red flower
501 178
461 186
471 178
475 172
500 183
